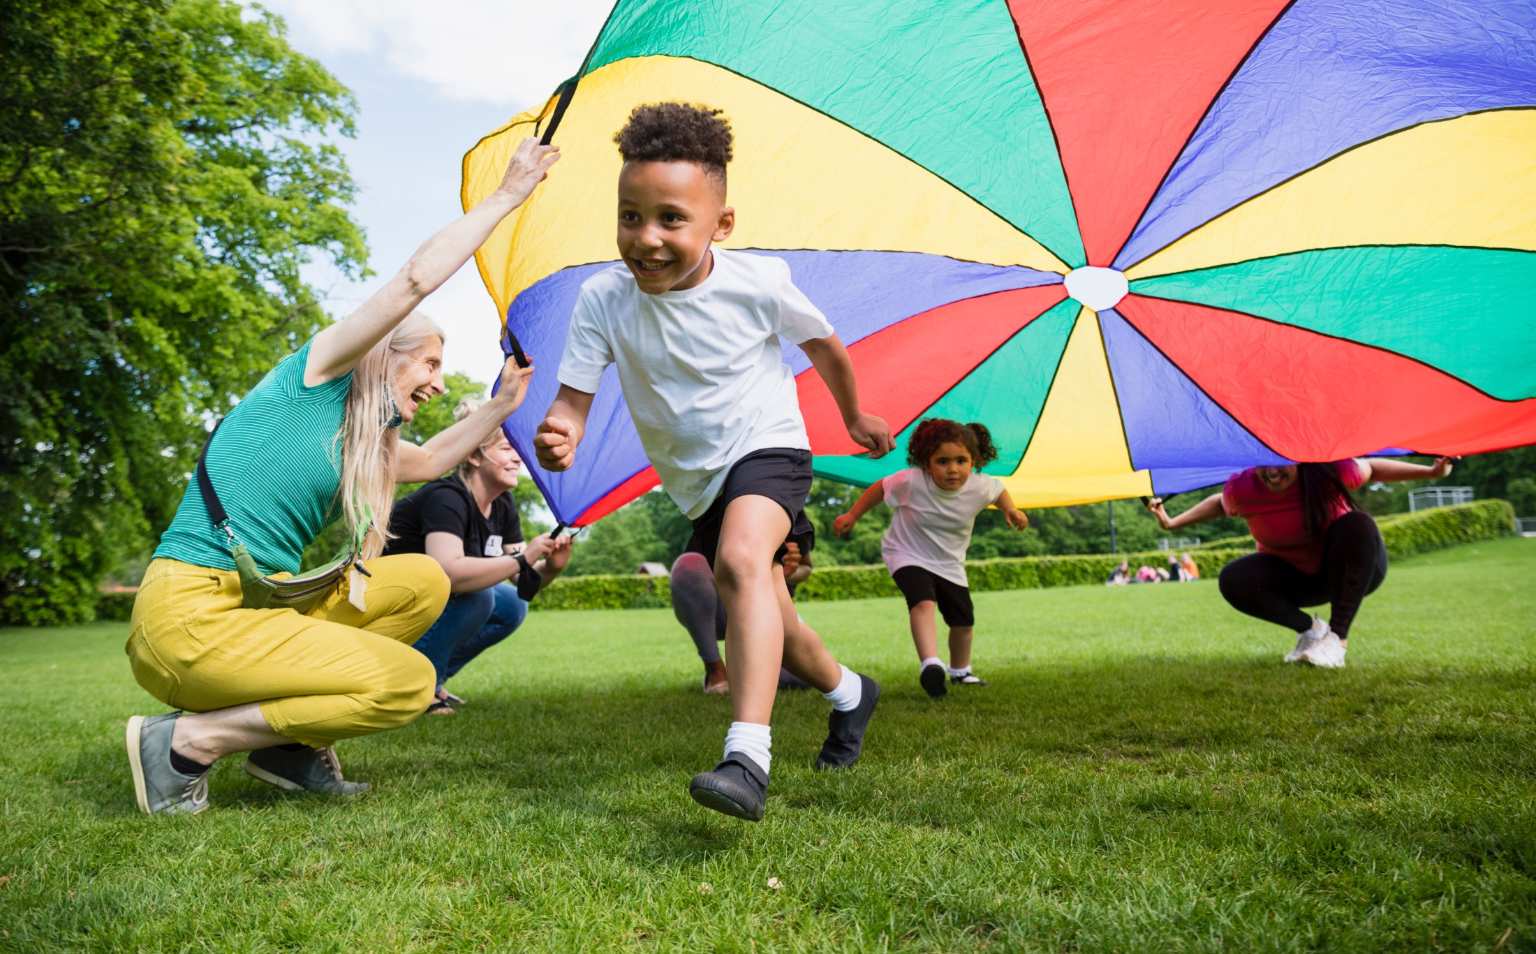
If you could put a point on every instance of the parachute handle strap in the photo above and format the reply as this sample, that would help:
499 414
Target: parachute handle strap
566 90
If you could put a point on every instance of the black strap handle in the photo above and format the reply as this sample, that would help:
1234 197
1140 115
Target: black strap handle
517 349
566 90
211 500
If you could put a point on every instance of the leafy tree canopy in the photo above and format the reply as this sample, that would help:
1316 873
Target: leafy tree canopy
166 169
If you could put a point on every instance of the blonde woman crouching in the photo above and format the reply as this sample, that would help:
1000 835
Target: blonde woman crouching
320 429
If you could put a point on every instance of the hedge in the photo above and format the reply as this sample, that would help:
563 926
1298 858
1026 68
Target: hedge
1405 534
1420 532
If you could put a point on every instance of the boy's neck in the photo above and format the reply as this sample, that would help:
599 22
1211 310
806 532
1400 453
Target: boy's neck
705 269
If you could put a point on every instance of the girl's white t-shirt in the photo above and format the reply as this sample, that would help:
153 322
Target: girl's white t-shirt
702 369
931 527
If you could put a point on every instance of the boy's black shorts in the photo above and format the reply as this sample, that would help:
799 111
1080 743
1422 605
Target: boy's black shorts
918 584
783 475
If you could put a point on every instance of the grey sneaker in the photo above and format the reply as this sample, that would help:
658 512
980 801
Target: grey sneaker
159 788
302 770
737 786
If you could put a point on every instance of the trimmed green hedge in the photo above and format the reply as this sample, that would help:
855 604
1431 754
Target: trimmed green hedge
1405 534
115 606
605 592
1409 533
1007 573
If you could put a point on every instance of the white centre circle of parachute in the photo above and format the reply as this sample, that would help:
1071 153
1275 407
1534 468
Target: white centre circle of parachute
1095 287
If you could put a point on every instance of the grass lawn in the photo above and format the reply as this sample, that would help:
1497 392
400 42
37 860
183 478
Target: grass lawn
1142 774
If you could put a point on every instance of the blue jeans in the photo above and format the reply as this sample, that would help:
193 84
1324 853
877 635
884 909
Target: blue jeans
471 623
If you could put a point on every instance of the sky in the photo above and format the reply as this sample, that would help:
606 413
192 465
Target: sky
430 79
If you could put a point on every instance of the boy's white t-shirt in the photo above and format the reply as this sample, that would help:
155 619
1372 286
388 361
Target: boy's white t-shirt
702 369
931 527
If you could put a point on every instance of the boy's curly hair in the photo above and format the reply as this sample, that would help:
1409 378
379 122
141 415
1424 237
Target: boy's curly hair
932 432
677 132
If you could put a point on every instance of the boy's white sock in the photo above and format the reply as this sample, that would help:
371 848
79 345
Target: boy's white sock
930 661
957 673
849 691
752 740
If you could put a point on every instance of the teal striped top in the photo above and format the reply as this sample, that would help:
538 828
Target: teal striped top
276 465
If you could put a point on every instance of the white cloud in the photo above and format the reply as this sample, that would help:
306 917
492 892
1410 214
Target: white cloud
508 52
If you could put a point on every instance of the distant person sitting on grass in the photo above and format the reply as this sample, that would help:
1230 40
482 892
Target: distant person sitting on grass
934 504
697 605
1314 545
468 523
320 431
1189 570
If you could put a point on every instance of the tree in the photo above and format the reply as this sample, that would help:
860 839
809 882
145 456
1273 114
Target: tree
163 178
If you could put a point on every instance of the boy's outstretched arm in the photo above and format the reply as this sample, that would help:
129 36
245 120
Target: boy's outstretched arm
872 495
562 429
831 361
1015 517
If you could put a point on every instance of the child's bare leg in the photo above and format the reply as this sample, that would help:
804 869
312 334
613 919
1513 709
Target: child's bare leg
805 654
925 634
960 646
750 534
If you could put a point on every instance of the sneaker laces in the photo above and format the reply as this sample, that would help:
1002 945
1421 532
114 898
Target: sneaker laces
197 789
328 756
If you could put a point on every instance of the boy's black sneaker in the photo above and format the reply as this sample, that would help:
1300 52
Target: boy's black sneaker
736 787
932 678
969 679
845 730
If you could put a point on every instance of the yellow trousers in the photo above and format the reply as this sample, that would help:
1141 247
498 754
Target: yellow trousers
333 673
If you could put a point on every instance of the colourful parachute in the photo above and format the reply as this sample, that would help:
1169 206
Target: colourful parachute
1324 212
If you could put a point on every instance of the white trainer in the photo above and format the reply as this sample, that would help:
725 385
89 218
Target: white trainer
1307 639
1327 654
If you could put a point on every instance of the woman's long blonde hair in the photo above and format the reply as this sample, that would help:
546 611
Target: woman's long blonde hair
368 442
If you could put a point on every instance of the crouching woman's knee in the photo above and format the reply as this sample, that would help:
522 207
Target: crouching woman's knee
410 688
427 585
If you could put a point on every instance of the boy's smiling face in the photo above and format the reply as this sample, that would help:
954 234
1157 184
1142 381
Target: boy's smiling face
669 214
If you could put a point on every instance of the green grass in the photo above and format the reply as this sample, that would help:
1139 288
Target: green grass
1143 774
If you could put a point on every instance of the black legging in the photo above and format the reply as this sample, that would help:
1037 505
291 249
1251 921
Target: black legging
697 605
1354 564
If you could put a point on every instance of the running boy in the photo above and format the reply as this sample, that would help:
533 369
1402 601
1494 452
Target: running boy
934 504
695 333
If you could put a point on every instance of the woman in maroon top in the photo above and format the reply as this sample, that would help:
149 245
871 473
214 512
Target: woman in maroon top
1314 545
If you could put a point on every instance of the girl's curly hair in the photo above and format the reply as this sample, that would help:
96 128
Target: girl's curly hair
677 132
930 433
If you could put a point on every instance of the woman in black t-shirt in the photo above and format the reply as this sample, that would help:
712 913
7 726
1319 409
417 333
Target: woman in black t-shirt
468 523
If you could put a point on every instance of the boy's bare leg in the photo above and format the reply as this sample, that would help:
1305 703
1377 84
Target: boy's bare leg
960 646
805 654
750 534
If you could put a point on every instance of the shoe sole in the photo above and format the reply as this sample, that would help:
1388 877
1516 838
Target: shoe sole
1319 664
721 802
934 686
261 774
136 762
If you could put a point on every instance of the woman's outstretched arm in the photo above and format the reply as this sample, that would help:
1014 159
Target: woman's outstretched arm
337 349
1208 509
